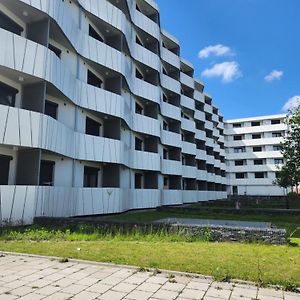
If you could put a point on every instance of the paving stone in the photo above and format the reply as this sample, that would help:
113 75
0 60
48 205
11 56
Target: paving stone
218 293
177 287
99 288
16 283
22 291
85 295
58 296
139 295
157 279
291 296
32 277
165 294
192 294
262 292
111 280
198 285
48 290
32 296
73 289
124 273
88 281
39 283
112 295
64 282
124 287
7 297
135 280
238 292
149 287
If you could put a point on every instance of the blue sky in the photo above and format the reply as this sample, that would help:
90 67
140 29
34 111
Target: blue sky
250 58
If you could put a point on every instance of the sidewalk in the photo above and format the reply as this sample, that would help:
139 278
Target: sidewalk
27 277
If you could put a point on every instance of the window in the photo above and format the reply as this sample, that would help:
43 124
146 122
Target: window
278 161
92 79
94 34
46 172
55 50
276 121
257 149
165 125
256 136
258 162
239 149
4 170
10 25
138 41
7 94
259 175
51 109
138 181
92 127
277 148
165 153
237 137
238 162
240 175
255 123
237 125
90 178
138 108
138 74
276 134
184 116
165 99
138 144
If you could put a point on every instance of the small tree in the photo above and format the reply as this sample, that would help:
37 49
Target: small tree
290 175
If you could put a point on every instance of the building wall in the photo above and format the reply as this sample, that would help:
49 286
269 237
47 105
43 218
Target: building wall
252 150
137 64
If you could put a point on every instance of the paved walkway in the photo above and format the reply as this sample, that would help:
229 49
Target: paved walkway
33 278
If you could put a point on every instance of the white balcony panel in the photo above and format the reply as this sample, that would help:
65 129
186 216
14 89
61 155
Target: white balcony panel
200 135
170 57
199 96
188 125
170 84
187 102
171 197
211 177
201 154
189 171
256 129
171 138
146 125
208 108
170 111
201 175
209 142
147 57
187 80
210 159
253 155
146 90
144 198
171 167
145 160
190 196
189 148
215 118
253 168
199 115
255 142
208 125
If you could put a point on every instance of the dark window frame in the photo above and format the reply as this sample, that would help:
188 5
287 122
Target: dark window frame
7 91
9 24
43 181
90 177
92 127
51 109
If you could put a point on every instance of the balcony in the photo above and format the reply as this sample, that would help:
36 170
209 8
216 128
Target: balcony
190 196
171 138
201 175
187 102
170 57
143 198
199 96
142 160
171 197
170 111
189 171
189 148
171 167
188 125
199 115
146 125
170 84
200 135
147 57
146 90
187 80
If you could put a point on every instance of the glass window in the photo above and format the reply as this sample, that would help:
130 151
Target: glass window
7 94
256 136
278 161
46 172
237 137
258 162
255 123
237 125
55 50
259 175
92 127
277 148
138 108
257 149
138 144
51 109
276 134
94 34
276 121
238 162
90 178
240 175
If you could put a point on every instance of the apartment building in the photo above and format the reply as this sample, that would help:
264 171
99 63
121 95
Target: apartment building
99 113
253 154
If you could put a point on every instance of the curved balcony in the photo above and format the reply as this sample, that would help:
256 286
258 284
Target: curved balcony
187 80
170 84
201 154
146 90
170 111
142 160
200 135
187 102
170 57
171 197
199 96
189 148
147 57
171 138
188 125
201 175
171 167
189 172
144 198
146 125
190 196
199 115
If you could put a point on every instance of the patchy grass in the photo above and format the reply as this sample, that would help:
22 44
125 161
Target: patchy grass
256 262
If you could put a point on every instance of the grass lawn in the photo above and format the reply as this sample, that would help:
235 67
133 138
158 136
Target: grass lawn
255 262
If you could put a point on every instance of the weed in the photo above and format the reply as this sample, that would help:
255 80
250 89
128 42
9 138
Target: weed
290 285
63 260
221 275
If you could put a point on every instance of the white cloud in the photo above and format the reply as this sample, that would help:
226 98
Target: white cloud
217 50
275 74
292 103
228 70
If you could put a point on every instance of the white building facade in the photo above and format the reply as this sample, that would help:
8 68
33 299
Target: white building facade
253 155
99 113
